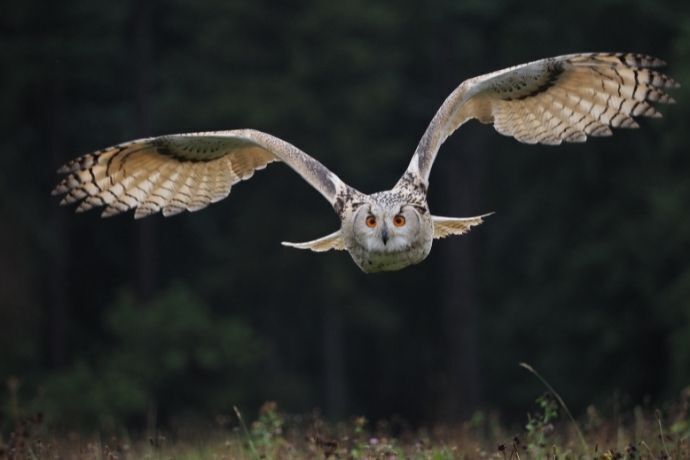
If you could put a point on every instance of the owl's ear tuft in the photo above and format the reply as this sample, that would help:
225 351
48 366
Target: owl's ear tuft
446 226
323 244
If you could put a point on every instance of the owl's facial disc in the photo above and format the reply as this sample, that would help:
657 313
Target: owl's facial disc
387 229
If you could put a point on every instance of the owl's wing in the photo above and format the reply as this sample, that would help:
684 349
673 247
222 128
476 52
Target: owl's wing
565 98
447 226
323 244
182 172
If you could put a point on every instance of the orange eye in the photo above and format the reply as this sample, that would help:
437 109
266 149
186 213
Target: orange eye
371 221
399 220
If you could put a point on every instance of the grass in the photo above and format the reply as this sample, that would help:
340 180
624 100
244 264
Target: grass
547 435
641 434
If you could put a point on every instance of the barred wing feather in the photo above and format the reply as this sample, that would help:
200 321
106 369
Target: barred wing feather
550 101
181 172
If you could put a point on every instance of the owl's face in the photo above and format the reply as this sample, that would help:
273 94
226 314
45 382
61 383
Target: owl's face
386 229
389 236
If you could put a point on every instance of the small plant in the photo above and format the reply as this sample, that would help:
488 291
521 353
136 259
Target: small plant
562 404
540 424
269 426
265 438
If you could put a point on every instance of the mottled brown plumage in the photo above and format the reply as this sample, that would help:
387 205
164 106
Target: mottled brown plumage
550 101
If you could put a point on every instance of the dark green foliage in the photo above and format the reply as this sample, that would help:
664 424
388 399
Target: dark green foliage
171 350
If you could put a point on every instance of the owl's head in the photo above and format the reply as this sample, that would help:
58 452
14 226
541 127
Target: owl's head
387 227
386 231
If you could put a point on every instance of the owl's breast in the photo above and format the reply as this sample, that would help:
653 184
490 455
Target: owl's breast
372 260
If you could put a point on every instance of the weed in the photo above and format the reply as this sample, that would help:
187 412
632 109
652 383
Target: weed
540 424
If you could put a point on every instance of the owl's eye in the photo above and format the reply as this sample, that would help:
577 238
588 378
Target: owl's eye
371 221
399 220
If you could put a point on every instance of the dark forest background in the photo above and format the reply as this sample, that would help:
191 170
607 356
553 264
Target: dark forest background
584 270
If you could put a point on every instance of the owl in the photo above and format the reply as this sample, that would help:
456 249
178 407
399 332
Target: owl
548 101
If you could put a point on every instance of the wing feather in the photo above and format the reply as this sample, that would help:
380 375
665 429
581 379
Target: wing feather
551 101
447 226
182 172
202 194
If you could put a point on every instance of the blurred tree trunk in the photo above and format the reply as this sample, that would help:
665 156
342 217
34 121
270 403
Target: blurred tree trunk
460 302
146 249
461 157
142 21
334 361
56 326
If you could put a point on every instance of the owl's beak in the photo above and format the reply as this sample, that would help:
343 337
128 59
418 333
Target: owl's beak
384 235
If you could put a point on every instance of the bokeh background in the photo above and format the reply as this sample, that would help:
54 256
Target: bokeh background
583 272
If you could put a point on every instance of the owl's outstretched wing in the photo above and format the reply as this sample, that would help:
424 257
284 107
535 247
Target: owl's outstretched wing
447 226
182 172
325 243
565 98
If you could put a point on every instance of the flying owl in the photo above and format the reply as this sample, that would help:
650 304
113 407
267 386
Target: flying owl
549 101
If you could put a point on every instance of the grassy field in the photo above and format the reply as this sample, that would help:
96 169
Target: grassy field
548 433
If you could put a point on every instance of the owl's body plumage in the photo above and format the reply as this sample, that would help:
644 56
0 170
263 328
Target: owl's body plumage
550 101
